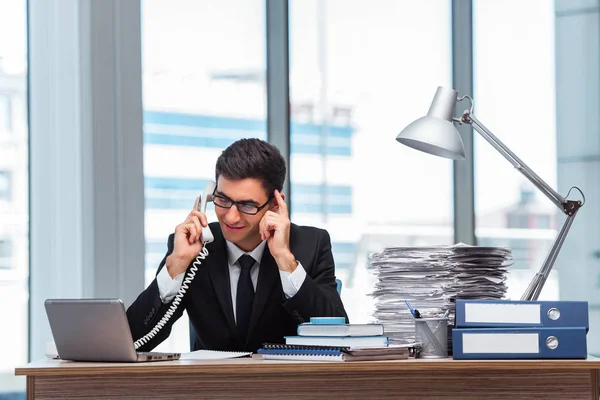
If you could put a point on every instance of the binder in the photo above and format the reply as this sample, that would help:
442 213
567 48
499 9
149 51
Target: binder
519 343
516 313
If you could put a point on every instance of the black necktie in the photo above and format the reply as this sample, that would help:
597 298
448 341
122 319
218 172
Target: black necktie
245 296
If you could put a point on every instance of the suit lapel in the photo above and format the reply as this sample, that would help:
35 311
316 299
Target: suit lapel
268 274
219 275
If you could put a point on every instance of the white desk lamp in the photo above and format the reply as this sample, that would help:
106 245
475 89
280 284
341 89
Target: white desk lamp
436 134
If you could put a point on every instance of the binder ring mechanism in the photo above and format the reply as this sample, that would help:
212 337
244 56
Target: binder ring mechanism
553 314
552 342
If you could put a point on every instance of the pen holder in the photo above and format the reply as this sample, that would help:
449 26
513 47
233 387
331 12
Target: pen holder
433 334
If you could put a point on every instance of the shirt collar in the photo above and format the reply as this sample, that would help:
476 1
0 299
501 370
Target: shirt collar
234 252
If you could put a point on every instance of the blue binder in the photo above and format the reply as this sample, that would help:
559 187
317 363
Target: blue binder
519 343
511 313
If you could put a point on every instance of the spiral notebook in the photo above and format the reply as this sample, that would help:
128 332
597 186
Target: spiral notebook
273 351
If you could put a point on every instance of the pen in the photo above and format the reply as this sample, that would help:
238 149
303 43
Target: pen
415 313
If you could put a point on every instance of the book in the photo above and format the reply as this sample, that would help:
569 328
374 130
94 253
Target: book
310 329
345 341
327 320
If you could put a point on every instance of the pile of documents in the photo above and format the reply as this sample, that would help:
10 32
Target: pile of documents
431 279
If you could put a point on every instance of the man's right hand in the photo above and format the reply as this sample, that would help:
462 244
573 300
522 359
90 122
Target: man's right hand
187 243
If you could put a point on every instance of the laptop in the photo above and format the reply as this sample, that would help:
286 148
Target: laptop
95 330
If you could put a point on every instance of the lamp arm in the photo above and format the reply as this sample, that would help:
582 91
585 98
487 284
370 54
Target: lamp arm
554 196
537 283
569 207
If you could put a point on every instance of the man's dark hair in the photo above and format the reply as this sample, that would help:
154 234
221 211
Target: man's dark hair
253 158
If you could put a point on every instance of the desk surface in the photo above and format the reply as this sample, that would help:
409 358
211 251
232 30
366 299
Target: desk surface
255 365
253 378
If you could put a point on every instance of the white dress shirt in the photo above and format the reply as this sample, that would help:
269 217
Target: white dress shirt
290 281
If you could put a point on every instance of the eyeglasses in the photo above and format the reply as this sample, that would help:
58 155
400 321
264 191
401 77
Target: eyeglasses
244 208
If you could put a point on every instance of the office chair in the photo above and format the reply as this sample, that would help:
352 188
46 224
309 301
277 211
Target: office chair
193 334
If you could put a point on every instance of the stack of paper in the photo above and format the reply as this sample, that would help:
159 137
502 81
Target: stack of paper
478 272
431 278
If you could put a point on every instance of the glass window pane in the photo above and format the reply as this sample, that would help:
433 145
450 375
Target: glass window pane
204 88
5 185
5 111
515 98
14 196
6 254
359 73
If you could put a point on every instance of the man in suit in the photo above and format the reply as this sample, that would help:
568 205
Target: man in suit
262 276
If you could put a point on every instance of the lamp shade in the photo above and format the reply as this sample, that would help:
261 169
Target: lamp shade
435 133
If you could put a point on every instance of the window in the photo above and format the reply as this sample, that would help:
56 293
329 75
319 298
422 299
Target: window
14 197
353 88
5 185
510 211
6 123
5 254
204 87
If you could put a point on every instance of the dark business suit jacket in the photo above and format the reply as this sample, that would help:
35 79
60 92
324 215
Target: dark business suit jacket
209 305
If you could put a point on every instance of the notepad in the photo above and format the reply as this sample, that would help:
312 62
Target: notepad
213 355
344 357
304 357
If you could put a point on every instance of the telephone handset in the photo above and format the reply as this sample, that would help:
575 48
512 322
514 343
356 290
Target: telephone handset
206 237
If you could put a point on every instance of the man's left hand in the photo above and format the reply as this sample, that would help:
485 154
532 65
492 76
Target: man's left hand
275 228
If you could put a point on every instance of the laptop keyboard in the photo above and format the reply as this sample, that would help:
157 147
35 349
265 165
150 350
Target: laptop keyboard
156 354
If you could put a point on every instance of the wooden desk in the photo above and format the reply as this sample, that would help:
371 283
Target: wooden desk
254 378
